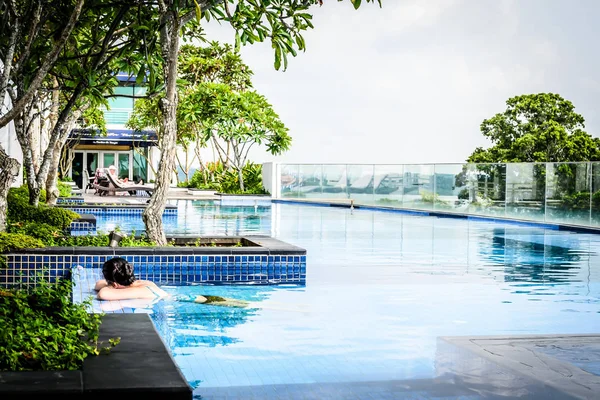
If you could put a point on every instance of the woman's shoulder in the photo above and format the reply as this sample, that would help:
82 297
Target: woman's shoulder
140 292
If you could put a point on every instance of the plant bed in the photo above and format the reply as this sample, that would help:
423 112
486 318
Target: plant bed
258 260
139 365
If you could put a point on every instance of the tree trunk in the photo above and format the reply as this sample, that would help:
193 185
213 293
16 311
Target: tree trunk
241 176
22 131
9 169
52 192
169 43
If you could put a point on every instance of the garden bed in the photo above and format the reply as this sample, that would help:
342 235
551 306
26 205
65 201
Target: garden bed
139 365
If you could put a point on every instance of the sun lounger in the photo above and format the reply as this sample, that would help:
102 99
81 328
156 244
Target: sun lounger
115 186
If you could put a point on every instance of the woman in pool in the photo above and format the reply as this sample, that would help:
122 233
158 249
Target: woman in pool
119 283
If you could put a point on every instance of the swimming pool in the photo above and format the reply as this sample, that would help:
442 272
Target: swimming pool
199 217
380 288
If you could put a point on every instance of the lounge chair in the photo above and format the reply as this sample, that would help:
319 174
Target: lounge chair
115 186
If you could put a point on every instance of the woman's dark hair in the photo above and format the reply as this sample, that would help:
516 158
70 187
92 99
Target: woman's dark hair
118 270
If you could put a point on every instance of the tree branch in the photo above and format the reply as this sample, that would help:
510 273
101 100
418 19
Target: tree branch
43 71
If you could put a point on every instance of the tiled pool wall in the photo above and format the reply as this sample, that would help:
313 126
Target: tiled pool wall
275 263
115 210
79 228
70 200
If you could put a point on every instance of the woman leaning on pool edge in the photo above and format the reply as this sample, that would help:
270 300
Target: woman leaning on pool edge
119 283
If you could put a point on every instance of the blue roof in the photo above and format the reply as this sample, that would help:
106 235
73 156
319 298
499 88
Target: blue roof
125 137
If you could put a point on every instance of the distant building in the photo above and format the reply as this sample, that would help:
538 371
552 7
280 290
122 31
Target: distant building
131 152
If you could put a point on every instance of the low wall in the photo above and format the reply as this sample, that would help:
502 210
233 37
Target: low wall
268 262
119 209
84 225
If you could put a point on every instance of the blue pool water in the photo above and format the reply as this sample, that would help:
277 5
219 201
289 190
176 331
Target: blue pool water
381 288
199 217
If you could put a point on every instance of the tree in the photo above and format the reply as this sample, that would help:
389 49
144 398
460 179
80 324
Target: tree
33 35
240 119
282 22
541 127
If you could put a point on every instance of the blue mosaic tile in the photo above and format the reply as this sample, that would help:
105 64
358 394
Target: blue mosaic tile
166 268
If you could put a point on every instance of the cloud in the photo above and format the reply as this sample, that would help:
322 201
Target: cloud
411 82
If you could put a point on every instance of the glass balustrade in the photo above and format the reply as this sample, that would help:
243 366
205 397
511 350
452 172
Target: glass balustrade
565 193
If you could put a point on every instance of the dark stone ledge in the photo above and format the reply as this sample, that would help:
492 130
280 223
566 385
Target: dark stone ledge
259 245
89 218
139 365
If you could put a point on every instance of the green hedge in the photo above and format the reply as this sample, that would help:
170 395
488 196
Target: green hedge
42 329
19 211
16 241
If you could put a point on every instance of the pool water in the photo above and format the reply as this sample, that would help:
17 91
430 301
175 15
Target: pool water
199 217
381 288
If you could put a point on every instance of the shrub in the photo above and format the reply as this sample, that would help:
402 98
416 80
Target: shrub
64 190
43 330
46 233
215 177
576 201
463 194
19 210
17 241
55 216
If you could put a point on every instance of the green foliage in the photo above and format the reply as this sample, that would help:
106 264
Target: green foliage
215 177
17 241
463 194
216 105
430 197
46 233
576 201
102 240
541 127
257 21
42 329
64 190
19 210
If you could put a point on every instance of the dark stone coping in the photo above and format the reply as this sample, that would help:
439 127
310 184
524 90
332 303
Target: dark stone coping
89 218
117 206
139 365
263 245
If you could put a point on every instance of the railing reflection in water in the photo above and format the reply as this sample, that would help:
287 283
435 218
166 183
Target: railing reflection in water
567 193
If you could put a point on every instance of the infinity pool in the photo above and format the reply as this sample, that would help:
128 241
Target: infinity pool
381 288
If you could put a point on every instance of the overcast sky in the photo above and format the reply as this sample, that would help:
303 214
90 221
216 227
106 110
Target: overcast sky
411 82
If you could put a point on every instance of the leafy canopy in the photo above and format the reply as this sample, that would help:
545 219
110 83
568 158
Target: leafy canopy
542 127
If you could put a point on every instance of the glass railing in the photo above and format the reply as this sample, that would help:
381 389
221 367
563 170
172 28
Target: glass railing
566 193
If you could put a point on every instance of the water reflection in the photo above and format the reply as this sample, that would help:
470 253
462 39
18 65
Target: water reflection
199 217
185 325
536 256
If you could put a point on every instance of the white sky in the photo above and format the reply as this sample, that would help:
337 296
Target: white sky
411 82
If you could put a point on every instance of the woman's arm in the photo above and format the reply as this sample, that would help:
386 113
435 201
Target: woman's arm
100 284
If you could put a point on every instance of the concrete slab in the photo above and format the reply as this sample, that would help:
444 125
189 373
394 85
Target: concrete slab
567 364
